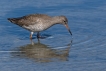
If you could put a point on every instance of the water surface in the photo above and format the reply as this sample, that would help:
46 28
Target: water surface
84 51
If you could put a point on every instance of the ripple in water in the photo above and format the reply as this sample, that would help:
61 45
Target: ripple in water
46 50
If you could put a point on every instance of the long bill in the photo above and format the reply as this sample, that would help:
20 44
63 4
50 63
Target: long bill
68 29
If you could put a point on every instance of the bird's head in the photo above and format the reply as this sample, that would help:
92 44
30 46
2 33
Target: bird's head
64 21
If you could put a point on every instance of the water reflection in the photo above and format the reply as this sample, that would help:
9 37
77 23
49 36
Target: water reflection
40 52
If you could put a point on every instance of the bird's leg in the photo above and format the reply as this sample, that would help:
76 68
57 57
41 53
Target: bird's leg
31 35
38 35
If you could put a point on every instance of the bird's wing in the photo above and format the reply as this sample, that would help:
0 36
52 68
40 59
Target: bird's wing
32 19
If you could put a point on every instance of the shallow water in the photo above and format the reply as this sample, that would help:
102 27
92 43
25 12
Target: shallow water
84 51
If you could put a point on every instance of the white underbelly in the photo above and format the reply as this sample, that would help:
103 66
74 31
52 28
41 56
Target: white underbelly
36 27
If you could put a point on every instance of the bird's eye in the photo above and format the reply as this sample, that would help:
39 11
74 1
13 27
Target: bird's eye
64 21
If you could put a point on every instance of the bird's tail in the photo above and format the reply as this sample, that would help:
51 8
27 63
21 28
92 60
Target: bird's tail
13 20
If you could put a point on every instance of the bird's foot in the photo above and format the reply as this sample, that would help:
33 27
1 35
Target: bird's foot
41 37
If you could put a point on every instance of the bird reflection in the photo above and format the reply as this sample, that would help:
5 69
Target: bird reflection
40 52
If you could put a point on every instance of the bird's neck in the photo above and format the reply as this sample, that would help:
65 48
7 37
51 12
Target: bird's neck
56 20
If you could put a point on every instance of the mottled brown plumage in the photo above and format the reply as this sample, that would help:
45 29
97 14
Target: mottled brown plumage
29 19
39 22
